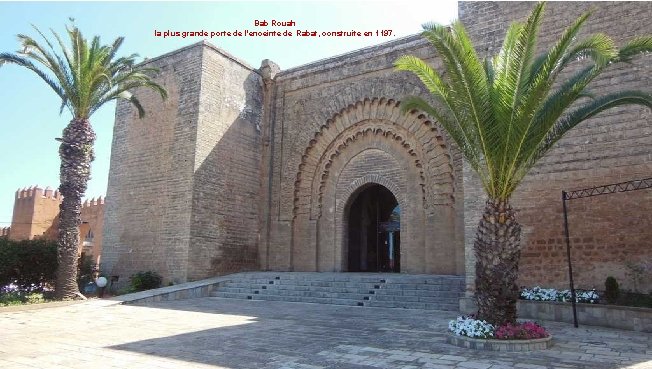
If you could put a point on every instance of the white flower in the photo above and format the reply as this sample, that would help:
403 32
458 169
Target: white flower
550 294
467 326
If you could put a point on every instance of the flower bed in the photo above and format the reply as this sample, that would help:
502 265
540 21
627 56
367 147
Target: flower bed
550 294
479 334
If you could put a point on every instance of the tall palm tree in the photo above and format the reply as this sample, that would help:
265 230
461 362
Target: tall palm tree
85 77
504 114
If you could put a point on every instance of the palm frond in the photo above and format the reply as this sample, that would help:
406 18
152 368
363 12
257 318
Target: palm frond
594 107
507 112
83 73
467 83
635 47
600 48
23 62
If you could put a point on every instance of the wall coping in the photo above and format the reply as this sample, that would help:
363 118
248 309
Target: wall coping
611 316
585 305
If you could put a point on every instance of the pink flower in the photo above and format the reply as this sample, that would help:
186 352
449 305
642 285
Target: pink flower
520 331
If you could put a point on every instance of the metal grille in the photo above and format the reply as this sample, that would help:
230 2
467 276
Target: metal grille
638 184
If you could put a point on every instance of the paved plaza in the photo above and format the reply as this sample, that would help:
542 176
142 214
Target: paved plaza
223 333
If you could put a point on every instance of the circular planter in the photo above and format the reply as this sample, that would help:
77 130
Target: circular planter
500 345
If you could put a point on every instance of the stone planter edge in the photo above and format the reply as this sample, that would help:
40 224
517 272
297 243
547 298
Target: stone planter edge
499 345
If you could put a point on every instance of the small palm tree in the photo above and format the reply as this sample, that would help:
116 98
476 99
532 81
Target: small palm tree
85 76
504 114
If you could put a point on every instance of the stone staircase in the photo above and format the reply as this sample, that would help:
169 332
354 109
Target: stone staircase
431 292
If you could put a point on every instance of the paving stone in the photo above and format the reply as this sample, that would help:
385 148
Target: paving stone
240 334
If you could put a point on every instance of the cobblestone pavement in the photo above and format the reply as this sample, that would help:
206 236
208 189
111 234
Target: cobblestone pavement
222 333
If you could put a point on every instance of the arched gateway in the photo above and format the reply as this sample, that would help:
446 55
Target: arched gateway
370 154
372 240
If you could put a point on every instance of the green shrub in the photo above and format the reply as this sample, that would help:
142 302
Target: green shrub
84 270
635 299
29 264
142 281
611 290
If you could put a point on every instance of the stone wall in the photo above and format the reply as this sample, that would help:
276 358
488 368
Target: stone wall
615 146
147 220
184 180
92 217
243 169
335 125
225 195
619 317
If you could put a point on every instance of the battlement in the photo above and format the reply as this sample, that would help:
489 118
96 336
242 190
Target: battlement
4 231
36 191
93 202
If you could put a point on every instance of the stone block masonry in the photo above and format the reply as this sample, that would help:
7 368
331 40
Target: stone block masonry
179 178
226 178
244 169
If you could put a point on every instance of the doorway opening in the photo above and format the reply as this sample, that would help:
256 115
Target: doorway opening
374 231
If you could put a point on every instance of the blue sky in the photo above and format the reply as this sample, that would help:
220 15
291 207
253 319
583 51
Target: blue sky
29 110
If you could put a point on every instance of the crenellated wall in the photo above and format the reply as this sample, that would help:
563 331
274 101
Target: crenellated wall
35 211
36 215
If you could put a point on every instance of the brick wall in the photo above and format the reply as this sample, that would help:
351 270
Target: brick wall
612 147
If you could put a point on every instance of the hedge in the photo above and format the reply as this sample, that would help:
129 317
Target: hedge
29 264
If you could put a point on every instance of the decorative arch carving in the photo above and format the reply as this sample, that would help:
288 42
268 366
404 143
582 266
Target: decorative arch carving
356 185
418 136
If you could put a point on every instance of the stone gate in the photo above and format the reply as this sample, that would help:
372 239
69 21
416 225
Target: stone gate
248 168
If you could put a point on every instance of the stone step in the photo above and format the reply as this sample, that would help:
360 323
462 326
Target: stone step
371 290
352 288
426 287
358 277
318 294
305 299
412 305
423 293
377 284
389 294
446 306
321 277
291 283
374 294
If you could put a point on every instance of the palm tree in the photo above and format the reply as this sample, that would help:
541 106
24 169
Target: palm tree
85 77
504 114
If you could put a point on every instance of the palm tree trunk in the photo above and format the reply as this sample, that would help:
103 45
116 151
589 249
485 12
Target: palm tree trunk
76 152
497 252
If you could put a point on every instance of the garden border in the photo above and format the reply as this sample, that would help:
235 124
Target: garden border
611 316
500 345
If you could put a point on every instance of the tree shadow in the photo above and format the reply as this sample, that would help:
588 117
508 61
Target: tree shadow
264 334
